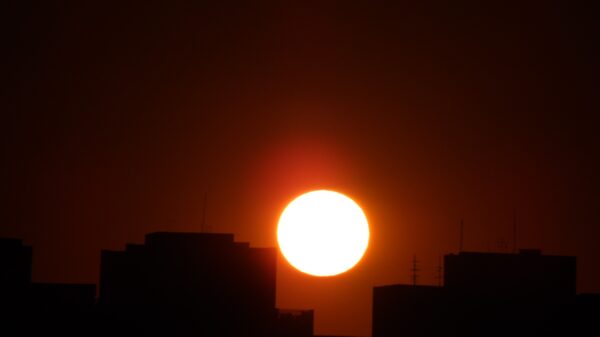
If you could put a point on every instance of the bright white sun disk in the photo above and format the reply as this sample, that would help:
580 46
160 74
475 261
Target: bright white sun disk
323 233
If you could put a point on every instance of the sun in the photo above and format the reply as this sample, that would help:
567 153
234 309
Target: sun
323 233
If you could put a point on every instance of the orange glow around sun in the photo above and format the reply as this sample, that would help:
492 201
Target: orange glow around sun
323 233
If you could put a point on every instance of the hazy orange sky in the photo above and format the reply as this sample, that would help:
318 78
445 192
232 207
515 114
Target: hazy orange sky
119 117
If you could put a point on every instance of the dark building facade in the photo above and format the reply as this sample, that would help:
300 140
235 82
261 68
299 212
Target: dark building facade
175 284
28 308
528 272
15 264
294 323
191 284
489 294
15 280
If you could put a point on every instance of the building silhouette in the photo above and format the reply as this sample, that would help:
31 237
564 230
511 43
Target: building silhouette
175 284
490 294
294 323
28 308
205 284
528 273
15 265
15 279
195 284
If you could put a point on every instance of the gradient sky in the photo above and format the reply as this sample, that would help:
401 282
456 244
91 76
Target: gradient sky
117 118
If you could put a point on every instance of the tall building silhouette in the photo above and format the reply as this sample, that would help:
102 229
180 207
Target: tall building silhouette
175 284
490 294
28 308
193 284
15 279
529 273
15 264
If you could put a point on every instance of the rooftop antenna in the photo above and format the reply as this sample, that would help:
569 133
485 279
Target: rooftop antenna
203 226
460 243
439 275
414 270
503 246
514 230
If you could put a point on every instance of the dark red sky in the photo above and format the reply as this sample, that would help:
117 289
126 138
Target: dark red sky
118 118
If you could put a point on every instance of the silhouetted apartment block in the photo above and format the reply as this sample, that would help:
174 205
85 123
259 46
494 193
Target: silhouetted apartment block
488 294
586 316
294 323
15 264
190 284
402 310
528 272
30 309
15 278
62 296
60 309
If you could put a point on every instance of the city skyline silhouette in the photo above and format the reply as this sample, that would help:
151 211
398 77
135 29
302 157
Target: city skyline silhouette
207 284
127 118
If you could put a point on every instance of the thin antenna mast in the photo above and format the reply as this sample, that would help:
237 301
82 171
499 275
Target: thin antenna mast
203 227
414 270
439 275
460 243
514 231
